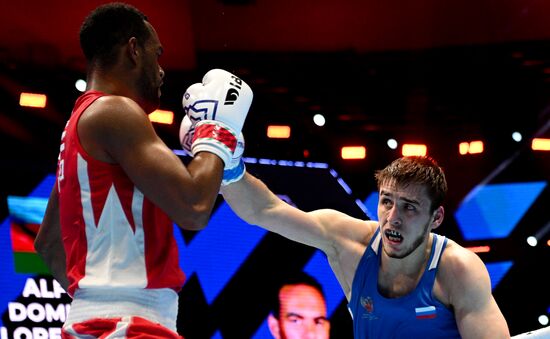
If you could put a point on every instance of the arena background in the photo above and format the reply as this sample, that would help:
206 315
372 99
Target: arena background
437 73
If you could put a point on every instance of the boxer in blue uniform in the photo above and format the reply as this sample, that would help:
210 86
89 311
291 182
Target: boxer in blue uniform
415 315
401 279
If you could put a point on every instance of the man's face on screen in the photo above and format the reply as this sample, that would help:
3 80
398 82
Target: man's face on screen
303 314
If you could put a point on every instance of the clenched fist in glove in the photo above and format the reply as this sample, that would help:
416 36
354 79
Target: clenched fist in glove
236 168
216 110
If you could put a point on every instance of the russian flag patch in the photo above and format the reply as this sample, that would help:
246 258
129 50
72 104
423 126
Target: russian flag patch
427 312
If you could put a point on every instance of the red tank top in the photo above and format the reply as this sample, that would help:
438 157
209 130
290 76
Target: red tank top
112 234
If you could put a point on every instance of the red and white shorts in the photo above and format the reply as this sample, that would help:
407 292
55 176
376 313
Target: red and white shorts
122 327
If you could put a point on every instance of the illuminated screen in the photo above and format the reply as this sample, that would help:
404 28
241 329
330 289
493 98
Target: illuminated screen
233 269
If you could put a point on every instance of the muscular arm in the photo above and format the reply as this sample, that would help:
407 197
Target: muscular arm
117 130
48 242
477 313
341 237
252 200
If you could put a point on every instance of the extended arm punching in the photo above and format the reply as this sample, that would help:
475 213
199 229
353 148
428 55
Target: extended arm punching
252 200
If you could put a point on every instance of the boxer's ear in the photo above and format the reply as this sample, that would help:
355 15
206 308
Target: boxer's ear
437 217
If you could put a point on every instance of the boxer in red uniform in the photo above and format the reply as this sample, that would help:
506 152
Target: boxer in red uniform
107 234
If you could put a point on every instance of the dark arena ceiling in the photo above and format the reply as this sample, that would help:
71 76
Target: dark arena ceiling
425 71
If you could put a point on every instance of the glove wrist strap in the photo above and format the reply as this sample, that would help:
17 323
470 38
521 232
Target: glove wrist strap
234 174
215 137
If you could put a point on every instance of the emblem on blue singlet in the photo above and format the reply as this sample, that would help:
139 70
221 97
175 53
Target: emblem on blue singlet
368 306
427 312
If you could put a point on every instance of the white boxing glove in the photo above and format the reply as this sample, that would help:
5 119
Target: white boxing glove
186 134
217 109
232 172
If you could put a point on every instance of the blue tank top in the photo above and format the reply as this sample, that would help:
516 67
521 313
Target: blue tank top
416 315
